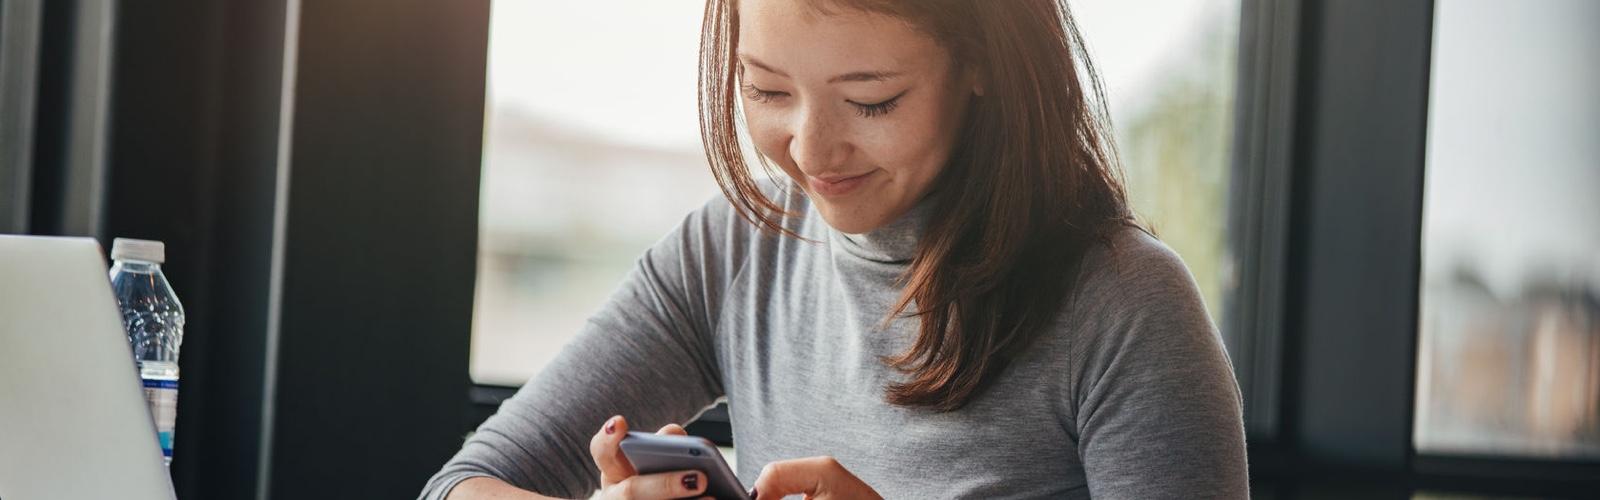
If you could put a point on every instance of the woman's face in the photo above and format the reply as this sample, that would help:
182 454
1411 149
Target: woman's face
859 109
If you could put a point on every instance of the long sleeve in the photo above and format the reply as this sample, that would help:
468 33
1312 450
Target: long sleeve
1158 412
648 354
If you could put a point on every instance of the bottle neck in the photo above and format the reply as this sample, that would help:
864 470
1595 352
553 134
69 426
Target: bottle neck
136 266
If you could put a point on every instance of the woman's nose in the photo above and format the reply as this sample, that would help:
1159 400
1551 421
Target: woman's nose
817 146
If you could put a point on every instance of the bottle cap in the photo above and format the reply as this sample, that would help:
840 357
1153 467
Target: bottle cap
143 250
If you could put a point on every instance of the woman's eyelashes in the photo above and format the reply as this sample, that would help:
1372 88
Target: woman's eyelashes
761 96
880 108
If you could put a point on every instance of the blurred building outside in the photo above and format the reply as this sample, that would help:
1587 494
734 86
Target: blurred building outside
1509 353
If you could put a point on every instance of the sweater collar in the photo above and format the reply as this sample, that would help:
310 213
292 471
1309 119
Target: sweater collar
893 243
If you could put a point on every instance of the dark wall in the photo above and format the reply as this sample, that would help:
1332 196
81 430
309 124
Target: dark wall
371 371
328 291
192 162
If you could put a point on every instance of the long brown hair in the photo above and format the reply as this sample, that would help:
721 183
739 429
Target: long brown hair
1031 183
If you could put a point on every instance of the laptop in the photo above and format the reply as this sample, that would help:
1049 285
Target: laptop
73 420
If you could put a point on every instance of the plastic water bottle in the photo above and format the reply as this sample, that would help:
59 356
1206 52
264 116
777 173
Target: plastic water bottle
153 319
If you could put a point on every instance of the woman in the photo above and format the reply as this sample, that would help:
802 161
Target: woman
941 294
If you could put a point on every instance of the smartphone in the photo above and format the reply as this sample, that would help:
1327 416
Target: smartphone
652 453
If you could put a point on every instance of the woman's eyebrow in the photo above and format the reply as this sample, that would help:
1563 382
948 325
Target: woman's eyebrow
864 76
854 76
757 63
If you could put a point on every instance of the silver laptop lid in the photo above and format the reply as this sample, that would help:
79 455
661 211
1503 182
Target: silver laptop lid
73 421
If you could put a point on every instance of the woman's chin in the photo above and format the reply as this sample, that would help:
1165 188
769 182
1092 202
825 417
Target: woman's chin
850 220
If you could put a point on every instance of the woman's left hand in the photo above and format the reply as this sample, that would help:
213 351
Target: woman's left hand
818 478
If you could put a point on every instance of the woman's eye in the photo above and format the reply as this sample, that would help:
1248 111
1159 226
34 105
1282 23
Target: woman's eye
879 109
762 96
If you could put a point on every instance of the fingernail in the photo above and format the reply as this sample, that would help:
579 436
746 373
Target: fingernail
753 493
691 481
611 426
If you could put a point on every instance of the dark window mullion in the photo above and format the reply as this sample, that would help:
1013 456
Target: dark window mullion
1359 155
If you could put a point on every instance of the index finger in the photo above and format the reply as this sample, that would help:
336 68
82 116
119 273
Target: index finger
801 476
606 450
672 430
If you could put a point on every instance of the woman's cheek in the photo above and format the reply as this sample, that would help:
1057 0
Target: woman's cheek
914 151
891 142
763 136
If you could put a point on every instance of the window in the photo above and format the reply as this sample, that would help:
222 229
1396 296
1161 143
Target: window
585 165
591 154
1171 102
1509 349
1169 69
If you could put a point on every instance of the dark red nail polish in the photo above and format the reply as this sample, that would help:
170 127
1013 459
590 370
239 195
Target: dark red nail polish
754 493
611 426
691 481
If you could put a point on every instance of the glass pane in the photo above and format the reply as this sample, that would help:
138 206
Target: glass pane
1509 354
585 167
591 154
1169 70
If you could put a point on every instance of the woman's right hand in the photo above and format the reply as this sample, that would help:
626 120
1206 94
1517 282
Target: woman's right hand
619 481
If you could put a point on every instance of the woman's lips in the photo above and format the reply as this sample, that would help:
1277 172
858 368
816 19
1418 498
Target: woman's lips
837 186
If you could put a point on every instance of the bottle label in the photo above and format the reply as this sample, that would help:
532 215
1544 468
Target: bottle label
162 395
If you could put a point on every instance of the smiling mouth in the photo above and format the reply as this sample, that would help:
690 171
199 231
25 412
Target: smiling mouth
835 179
837 185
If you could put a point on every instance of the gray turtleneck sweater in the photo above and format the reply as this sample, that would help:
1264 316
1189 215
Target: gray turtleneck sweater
1129 395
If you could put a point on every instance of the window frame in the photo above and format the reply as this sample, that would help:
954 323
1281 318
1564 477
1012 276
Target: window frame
1347 344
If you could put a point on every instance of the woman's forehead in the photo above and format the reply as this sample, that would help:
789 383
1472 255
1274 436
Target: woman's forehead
799 41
